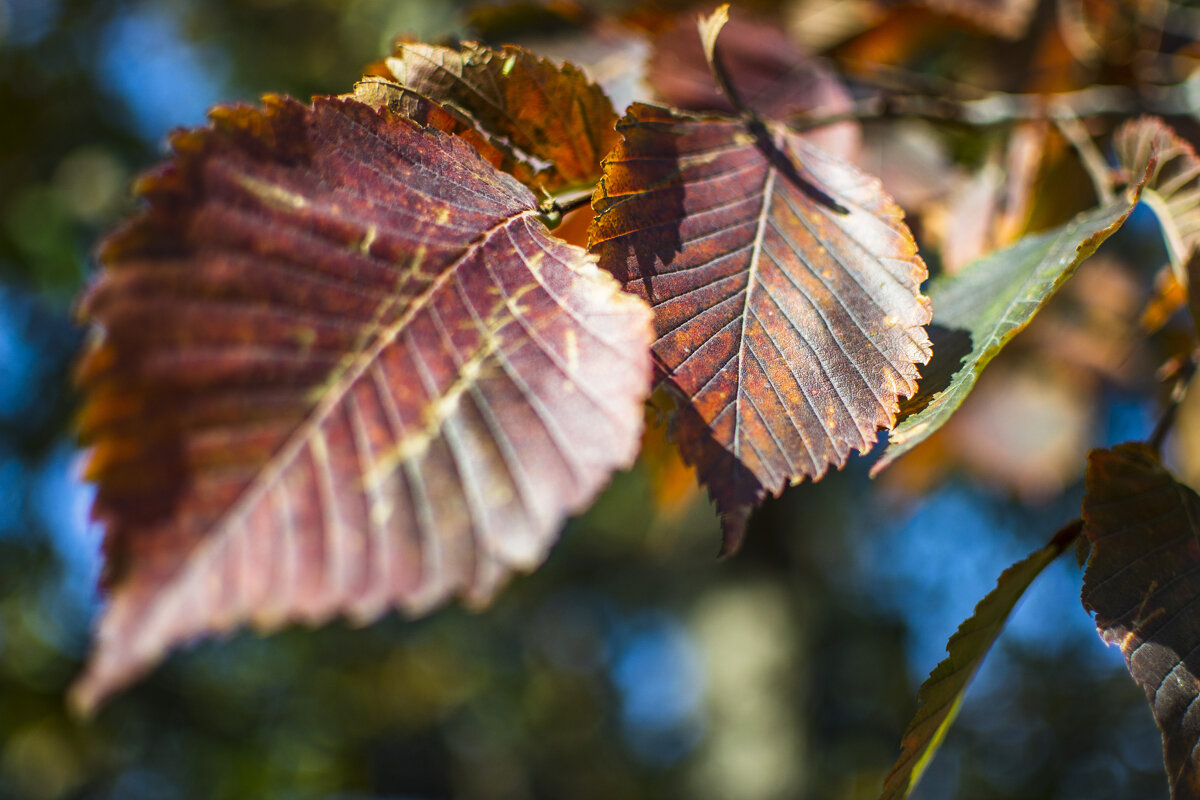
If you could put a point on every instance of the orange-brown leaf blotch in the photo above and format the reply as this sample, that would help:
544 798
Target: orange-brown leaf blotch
785 287
1143 584
546 124
341 366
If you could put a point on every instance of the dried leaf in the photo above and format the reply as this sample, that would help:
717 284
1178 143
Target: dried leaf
785 289
341 366
941 694
710 27
1173 187
550 124
770 72
1006 18
1143 584
978 310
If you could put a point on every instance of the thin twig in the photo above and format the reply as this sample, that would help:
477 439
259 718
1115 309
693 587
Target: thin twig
1000 108
1183 377
1097 169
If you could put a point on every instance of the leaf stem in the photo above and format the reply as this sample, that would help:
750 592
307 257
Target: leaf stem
1183 376
1066 535
554 208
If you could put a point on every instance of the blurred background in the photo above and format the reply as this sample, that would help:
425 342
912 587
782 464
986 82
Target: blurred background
633 664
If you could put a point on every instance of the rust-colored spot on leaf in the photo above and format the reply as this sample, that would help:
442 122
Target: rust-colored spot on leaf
546 124
328 379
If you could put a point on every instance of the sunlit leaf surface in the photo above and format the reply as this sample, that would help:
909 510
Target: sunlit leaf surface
942 692
978 310
785 291
340 365
1143 584
546 124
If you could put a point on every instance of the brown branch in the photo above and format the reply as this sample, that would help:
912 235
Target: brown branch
1000 108
1183 376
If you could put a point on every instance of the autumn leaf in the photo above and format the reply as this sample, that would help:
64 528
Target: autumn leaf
785 290
978 310
940 696
339 366
772 74
1173 187
1143 585
1005 18
548 125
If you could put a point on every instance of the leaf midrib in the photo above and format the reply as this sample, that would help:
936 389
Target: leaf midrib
382 336
751 278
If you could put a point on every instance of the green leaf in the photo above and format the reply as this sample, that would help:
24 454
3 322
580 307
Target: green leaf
941 695
977 311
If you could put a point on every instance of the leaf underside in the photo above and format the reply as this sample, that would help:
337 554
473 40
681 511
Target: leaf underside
546 124
785 290
941 694
1143 585
341 367
977 311
770 72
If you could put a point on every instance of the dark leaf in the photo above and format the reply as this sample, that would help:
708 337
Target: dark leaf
549 125
941 694
1143 584
978 310
785 290
770 72
340 366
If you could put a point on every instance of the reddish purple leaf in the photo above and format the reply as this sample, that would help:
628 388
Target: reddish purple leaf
785 289
340 366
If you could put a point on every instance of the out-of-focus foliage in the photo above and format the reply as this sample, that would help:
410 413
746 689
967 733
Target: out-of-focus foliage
633 665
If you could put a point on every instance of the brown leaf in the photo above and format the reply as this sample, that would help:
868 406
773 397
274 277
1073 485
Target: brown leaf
550 124
785 290
1143 584
770 72
340 366
1173 188
1006 18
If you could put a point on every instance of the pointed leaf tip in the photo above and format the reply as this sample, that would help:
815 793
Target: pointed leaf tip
979 310
710 28
941 695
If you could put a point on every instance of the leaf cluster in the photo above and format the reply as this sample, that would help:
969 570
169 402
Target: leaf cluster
343 363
